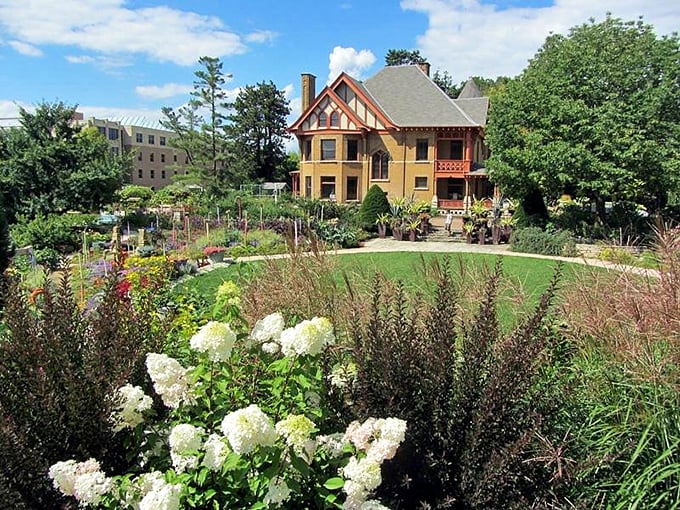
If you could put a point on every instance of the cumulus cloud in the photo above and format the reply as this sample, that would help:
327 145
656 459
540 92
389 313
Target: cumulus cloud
261 36
468 38
108 27
163 91
349 60
26 49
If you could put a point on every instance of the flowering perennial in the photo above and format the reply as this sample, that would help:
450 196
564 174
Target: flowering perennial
130 404
268 329
308 337
83 480
169 379
185 441
216 451
216 339
248 428
297 430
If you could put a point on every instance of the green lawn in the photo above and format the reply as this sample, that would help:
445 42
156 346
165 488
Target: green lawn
528 275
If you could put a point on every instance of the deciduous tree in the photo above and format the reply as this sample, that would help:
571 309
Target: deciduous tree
595 114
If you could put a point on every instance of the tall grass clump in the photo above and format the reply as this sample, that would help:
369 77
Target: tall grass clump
628 331
58 362
475 398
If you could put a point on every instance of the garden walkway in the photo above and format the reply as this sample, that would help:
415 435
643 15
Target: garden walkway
391 245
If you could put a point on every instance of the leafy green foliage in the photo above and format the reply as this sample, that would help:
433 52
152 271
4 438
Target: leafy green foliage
374 204
58 362
403 57
258 128
49 165
536 240
595 115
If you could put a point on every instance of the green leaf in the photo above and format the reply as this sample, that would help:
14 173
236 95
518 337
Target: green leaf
334 483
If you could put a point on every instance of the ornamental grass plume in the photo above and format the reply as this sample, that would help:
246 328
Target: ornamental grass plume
216 339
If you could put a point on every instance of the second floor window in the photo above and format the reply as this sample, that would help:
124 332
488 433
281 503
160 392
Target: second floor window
327 150
152 140
352 150
113 134
379 166
162 158
161 140
421 149
139 137
151 157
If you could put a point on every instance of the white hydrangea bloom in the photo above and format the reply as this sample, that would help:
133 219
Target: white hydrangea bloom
297 429
308 337
83 480
63 475
169 378
360 434
333 444
91 486
271 347
130 404
277 493
373 504
185 439
389 433
356 495
160 495
365 472
216 339
216 452
268 329
247 428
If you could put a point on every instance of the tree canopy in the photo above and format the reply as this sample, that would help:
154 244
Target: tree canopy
258 128
403 57
595 114
49 164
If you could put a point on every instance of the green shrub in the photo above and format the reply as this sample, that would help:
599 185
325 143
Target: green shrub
374 204
469 395
58 363
5 246
536 240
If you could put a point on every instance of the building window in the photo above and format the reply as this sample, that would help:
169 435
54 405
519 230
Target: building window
352 150
152 173
335 119
174 158
151 157
162 158
308 150
421 149
352 188
139 137
456 149
421 182
327 150
162 174
186 160
113 134
161 140
151 140
323 120
102 130
379 166
327 187
139 156
308 186
140 173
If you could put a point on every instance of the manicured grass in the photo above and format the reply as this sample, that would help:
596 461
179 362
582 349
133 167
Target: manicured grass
529 275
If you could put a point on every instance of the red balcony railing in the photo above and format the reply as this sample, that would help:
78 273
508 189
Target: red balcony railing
451 166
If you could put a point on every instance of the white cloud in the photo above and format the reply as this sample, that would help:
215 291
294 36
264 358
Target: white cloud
261 36
79 59
349 60
26 49
468 38
107 27
163 91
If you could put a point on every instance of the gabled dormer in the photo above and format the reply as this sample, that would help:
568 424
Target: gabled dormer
343 107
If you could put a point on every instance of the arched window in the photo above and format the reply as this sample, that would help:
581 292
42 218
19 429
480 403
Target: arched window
322 120
335 119
379 165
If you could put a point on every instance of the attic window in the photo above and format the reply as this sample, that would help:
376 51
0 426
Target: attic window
335 119
323 119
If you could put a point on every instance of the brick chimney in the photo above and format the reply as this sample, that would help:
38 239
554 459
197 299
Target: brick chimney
425 67
308 90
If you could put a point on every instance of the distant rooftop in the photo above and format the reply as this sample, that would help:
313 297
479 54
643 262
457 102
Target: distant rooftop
139 122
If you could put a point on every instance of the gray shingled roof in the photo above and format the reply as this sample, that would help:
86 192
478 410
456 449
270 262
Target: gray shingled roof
411 99
470 90
475 107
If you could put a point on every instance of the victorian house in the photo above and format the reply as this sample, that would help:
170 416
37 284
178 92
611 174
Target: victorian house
397 129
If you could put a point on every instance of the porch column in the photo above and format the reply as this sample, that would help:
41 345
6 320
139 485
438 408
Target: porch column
468 146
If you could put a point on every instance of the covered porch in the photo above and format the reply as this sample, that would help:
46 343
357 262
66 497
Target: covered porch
458 193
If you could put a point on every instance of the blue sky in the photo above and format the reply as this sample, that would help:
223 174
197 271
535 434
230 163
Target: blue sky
129 58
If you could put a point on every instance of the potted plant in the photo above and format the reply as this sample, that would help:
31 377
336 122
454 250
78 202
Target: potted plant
413 229
468 230
398 228
214 253
382 221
